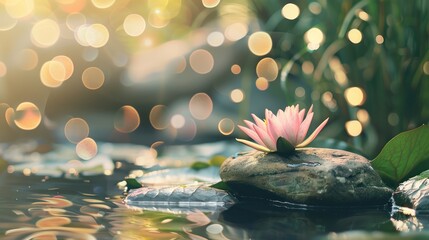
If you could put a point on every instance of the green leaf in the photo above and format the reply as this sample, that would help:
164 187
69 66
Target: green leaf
199 165
217 160
404 156
132 183
422 175
221 186
284 148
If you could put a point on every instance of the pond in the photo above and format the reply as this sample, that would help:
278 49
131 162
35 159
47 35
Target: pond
86 203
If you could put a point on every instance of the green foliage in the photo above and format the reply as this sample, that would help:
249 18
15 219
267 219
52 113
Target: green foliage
404 156
391 72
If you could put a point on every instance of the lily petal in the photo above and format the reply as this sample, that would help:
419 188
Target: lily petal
253 145
265 137
251 133
303 128
313 135
259 122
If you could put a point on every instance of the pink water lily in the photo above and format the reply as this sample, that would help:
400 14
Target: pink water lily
289 124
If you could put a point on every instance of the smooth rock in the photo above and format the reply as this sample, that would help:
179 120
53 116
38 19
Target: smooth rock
311 176
414 194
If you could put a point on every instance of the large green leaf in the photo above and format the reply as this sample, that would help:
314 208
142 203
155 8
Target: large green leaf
404 156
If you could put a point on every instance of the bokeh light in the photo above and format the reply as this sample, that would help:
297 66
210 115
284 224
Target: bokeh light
97 35
363 15
201 61
393 119
75 20
226 126
354 128
426 68
7 22
103 3
45 33
236 31
260 43
93 78
134 25
235 69
65 64
315 8
355 36
19 8
201 106
267 68
86 149
159 18
379 39
76 129
127 119
355 96
307 67
210 3
156 117
27 116
28 59
314 37
290 11
215 39
262 84
46 74
237 95
3 69
178 121
363 116
300 92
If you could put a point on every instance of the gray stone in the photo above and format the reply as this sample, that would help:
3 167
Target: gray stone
311 176
414 194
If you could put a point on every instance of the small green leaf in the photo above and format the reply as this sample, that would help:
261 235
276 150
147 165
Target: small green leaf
221 186
284 148
217 160
132 183
404 156
199 165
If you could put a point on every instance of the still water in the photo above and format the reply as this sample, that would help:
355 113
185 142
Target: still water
92 207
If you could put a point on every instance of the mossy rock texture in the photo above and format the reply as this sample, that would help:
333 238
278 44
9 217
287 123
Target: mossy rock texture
311 176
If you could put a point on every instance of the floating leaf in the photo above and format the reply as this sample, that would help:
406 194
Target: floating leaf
404 156
217 160
132 183
284 148
221 186
199 165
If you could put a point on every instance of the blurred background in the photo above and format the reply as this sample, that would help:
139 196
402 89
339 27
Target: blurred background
172 71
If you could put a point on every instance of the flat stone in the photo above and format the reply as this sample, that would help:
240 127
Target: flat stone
414 194
311 176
